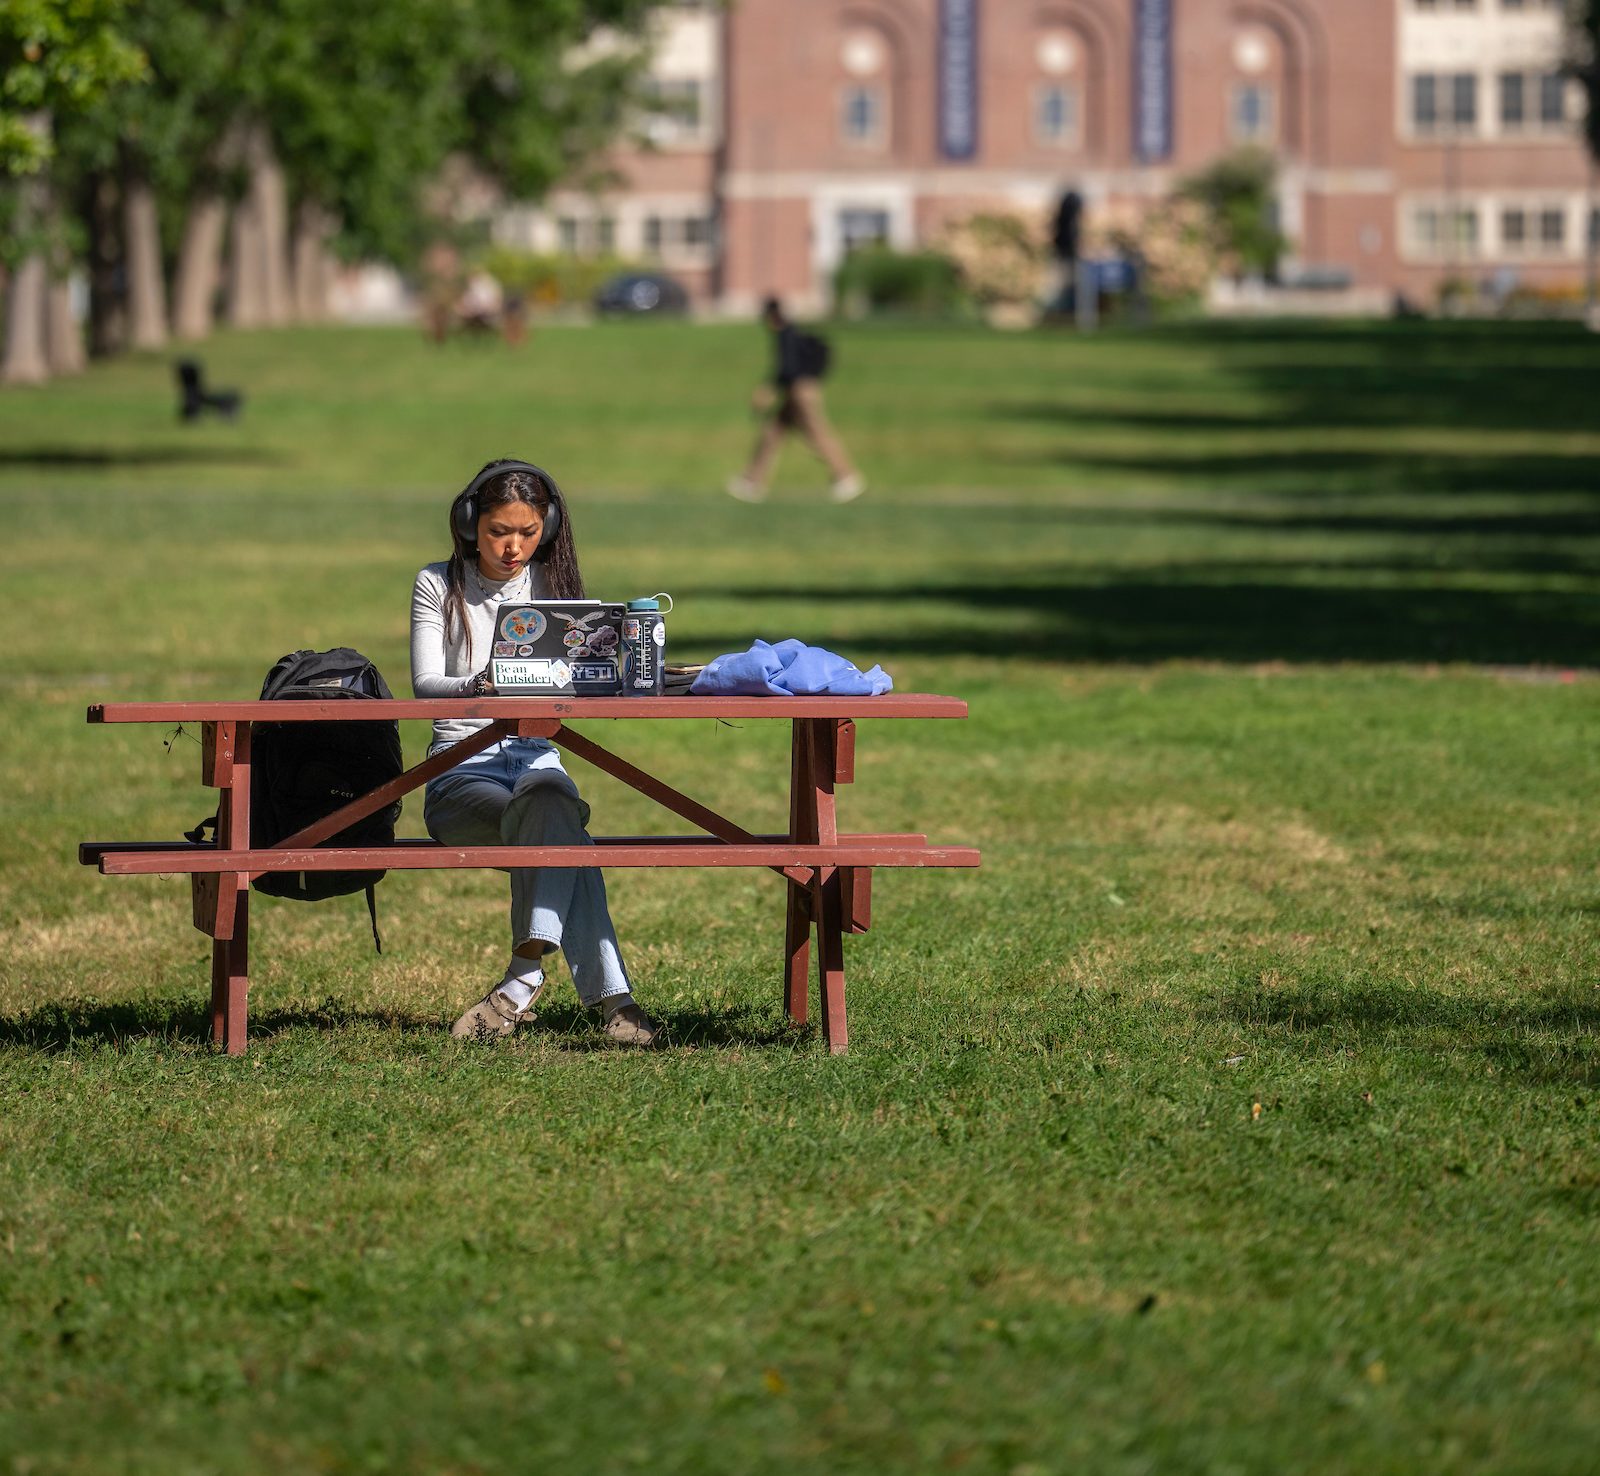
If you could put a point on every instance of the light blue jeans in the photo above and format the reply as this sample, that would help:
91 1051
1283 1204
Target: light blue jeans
517 794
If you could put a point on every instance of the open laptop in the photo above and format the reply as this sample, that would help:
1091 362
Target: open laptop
552 648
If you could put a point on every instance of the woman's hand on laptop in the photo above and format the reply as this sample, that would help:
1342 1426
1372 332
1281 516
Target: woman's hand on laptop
483 684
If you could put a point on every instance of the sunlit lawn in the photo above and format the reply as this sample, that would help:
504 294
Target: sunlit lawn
1238 1114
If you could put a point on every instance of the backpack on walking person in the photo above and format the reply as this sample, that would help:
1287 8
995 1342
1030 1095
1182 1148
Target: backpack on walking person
815 355
302 771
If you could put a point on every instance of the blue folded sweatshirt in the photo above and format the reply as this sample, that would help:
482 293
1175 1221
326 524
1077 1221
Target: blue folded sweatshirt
788 669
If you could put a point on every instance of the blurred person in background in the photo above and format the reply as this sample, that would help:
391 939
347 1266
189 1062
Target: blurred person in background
793 401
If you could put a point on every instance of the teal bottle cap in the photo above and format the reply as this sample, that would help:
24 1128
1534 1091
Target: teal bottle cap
644 604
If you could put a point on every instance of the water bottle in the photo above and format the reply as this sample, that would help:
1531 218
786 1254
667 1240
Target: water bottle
644 647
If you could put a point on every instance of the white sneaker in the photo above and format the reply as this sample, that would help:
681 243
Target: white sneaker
746 490
848 488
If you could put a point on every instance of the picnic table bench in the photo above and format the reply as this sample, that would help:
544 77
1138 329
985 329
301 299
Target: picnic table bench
827 872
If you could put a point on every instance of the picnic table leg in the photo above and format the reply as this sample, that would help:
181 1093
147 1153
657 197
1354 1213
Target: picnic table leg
230 956
230 983
827 898
830 963
797 929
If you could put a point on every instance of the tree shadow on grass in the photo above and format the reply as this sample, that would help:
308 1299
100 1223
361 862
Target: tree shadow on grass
1185 612
45 457
1542 1038
1481 375
1305 470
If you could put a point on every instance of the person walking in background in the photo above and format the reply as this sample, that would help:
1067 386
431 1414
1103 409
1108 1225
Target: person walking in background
793 401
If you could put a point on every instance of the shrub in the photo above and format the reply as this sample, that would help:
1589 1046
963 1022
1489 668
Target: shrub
879 279
1237 194
1172 242
555 279
1004 259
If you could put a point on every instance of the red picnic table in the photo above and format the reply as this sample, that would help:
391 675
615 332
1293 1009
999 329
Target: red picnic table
828 873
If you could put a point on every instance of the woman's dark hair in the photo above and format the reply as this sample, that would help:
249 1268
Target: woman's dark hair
559 556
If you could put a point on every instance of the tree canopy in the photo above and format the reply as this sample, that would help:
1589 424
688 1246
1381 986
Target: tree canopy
58 58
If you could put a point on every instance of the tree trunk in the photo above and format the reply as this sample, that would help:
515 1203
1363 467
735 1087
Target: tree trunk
24 360
313 269
194 287
63 337
244 267
269 197
107 322
147 294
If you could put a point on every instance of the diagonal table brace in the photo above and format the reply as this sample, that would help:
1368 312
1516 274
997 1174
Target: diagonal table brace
667 797
386 794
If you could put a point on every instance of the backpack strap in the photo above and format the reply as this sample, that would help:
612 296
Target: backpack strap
372 913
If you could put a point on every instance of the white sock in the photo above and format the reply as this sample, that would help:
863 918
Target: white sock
523 981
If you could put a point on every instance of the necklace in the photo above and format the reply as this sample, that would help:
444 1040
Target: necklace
504 595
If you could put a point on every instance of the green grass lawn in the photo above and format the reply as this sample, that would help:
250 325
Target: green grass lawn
1238 1115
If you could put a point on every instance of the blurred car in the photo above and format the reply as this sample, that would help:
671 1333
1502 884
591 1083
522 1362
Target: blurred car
641 292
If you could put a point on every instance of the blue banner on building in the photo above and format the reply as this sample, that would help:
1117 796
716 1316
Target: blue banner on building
958 78
1152 80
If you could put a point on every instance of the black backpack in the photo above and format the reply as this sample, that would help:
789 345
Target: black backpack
302 771
815 355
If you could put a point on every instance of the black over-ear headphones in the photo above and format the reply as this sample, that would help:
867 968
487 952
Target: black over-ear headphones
464 512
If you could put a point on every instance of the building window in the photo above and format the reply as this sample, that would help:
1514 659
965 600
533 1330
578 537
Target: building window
1552 230
567 232
863 227
674 108
1513 229
1512 114
1424 102
1444 101
1056 115
677 234
1517 92
862 114
1445 233
1552 100
605 234
1251 114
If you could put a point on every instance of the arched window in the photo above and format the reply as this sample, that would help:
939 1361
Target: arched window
866 89
1253 91
1057 99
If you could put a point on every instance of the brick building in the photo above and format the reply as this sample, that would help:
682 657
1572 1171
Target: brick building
1416 139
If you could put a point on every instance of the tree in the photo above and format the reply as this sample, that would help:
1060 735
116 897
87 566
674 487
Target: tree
58 58
1238 195
1583 62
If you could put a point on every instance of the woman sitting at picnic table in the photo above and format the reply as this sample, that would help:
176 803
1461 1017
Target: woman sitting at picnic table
511 544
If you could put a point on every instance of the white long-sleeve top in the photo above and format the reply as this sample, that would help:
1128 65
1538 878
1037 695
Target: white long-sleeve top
445 668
